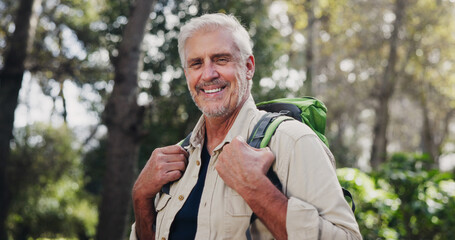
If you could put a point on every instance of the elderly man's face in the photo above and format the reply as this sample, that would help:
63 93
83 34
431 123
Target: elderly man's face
217 80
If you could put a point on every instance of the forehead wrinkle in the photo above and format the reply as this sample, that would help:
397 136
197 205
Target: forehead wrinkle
212 56
231 49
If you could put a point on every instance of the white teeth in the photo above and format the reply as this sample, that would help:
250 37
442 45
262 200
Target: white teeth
212 90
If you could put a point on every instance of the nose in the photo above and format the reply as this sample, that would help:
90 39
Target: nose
209 72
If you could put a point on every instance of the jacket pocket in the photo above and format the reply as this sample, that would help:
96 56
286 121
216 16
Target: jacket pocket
236 206
160 213
237 216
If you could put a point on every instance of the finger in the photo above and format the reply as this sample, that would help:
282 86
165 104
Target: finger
180 166
174 175
184 151
180 157
268 156
238 141
174 149
241 139
266 149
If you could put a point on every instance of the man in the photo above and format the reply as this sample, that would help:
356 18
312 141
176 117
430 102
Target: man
219 181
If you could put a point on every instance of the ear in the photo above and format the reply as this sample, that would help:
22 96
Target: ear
250 67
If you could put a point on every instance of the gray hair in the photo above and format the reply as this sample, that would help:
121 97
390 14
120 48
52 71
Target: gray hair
211 22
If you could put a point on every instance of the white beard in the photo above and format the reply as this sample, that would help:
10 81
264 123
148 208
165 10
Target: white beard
223 110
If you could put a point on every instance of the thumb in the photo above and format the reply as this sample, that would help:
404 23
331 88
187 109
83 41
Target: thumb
240 139
268 156
266 150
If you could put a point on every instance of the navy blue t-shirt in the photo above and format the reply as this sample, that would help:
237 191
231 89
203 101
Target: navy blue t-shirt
185 222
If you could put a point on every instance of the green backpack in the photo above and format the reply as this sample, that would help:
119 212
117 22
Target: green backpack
308 110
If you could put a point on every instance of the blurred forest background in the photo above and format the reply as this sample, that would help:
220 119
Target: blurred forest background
88 88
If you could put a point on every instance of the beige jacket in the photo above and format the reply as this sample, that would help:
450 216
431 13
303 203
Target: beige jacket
316 207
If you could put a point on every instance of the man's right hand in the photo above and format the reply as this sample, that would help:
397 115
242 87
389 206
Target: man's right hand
164 165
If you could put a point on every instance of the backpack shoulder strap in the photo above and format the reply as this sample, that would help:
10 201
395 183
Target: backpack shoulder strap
265 128
348 194
260 138
185 142
263 132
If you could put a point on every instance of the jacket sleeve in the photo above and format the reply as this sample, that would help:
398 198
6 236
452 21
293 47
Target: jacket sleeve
316 206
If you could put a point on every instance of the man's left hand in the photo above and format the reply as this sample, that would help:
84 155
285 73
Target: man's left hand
242 166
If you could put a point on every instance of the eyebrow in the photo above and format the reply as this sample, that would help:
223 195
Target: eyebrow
217 55
221 55
193 60
214 56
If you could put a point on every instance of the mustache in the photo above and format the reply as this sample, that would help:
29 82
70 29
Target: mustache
213 82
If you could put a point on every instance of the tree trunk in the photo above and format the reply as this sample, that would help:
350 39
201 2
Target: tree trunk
310 48
379 148
430 143
123 118
11 75
386 88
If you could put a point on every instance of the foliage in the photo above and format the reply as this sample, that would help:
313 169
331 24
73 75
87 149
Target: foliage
403 200
46 174
94 165
374 205
77 41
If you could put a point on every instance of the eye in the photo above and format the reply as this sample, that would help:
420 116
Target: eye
222 60
195 64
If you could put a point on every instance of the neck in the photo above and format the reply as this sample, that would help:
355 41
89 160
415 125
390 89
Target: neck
216 128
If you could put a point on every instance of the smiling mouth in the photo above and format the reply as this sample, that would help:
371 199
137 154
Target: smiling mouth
212 87
209 91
